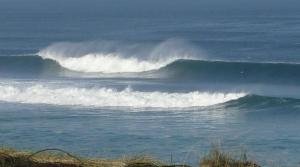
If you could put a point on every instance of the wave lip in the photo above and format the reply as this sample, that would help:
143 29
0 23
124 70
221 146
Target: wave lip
107 97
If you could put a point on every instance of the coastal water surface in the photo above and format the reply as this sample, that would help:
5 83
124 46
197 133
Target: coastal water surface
107 86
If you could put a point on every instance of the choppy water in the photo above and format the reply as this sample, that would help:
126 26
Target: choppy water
110 86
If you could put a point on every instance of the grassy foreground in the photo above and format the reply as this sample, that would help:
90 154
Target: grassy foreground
61 158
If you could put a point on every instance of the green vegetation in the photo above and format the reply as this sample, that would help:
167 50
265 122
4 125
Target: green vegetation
61 158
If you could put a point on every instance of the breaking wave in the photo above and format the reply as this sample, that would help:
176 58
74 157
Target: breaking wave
107 97
172 59
179 70
116 57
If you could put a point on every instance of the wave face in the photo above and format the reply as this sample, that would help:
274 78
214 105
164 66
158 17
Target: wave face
262 102
106 97
234 72
24 66
117 57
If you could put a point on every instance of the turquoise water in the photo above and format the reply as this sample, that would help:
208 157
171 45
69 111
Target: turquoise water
106 85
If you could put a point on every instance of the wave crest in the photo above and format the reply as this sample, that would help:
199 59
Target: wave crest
115 57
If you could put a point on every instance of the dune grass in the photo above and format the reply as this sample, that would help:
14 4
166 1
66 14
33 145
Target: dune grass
61 158
219 158
51 158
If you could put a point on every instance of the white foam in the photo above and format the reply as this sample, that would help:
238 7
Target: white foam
107 63
113 57
107 97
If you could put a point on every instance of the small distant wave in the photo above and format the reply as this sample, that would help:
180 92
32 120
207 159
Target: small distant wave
107 97
116 57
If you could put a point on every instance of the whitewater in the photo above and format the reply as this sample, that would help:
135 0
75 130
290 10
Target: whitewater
107 97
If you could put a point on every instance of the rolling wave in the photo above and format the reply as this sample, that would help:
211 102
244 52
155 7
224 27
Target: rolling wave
107 97
172 59
178 70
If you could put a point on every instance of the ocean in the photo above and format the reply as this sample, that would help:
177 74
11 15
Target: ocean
160 84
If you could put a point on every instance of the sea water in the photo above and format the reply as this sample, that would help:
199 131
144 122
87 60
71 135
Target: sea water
109 85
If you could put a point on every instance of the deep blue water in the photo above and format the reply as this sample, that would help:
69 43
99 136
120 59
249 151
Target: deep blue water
102 85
